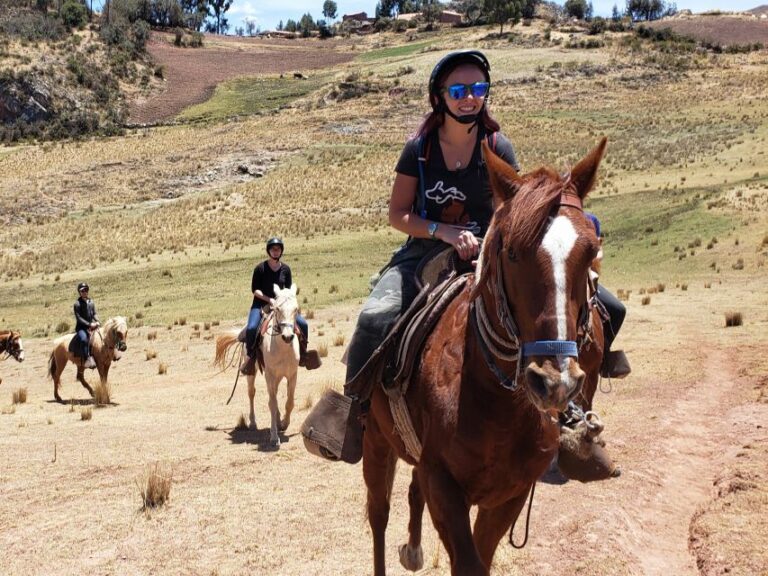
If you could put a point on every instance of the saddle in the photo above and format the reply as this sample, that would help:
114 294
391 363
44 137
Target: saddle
74 344
333 429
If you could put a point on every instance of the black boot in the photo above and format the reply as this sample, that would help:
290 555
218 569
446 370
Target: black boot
615 365
248 367
308 359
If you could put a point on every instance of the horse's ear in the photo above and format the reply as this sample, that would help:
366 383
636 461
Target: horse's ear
504 178
584 173
294 289
276 289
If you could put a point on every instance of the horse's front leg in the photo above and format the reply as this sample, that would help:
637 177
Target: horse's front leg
103 373
251 395
272 383
450 515
411 554
492 523
379 463
289 402
81 379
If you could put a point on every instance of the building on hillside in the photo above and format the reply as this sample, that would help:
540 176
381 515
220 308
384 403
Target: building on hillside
450 17
360 17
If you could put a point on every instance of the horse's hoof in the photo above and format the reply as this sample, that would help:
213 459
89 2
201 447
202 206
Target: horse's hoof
252 425
275 443
411 558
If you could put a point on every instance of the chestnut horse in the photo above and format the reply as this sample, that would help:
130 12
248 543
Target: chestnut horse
500 364
107 344
11 345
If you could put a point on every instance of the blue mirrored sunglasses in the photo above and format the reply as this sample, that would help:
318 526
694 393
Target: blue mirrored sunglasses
459 91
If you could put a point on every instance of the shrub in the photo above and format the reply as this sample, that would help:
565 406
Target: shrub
19 396
74 14
338 340
162 368
86 413
102 394
646 300
322 349
150 354
156 487
62 327
733 319
738 265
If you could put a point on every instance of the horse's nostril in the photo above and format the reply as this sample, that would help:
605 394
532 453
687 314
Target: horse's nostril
536 381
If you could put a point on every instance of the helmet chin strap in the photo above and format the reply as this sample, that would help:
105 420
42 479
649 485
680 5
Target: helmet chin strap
470 119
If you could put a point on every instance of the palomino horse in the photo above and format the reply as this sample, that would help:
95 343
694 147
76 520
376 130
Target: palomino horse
500 364
280 352
11 345
107 344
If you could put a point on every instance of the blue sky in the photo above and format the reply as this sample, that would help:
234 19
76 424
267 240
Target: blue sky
268 13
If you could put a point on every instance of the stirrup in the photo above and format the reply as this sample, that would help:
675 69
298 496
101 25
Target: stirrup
89 363
333 429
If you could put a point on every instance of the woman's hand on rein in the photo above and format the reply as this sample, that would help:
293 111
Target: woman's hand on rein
466 244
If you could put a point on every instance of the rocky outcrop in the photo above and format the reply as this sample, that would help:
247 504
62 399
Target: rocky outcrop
27 98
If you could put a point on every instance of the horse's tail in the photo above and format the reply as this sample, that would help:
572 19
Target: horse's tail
52 364
223 343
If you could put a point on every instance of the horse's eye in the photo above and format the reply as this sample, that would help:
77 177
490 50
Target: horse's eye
511 255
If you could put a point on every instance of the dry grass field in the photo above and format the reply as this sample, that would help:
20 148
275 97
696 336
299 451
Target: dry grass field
722 30
166 227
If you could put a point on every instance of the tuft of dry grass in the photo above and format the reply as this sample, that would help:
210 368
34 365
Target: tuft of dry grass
646 300
86 413
733 319
242 423
322 349
155 487
151 354
152 335
683 287
338 340
308 403
162 368
9 409
19 396
102 393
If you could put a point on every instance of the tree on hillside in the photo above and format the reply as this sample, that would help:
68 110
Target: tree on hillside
330 9
647 9
430 11
529 8
615 14
576 8
220 24
471 9
250 27
195 13
499 11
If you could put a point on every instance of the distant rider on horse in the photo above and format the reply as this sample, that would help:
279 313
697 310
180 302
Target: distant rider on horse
266 275
86 321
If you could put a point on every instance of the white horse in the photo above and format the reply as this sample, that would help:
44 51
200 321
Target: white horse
280 352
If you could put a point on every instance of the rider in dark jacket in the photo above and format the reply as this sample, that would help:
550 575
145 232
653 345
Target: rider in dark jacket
86 321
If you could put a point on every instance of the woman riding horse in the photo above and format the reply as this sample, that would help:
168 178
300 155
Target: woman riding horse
86 321
266 275
441 194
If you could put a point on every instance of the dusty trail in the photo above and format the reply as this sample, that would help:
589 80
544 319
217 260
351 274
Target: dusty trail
680 480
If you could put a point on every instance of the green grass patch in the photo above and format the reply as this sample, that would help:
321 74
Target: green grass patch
394 51
207 285
253 95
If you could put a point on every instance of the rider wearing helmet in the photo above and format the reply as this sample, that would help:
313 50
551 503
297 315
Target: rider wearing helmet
86 321
266 275
441 197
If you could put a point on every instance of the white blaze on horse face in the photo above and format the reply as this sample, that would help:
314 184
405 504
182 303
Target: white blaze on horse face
558 243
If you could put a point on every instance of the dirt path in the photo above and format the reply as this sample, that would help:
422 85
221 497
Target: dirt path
680 480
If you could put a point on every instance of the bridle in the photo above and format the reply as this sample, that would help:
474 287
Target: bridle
277 328
507 346
7 346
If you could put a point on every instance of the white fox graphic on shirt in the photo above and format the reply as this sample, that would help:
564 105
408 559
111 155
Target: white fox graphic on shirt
440 195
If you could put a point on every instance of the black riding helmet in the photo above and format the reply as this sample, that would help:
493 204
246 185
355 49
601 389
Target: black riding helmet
82 286
449 62
275 241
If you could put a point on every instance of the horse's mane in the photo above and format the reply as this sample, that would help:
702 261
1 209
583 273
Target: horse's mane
519 222
528 210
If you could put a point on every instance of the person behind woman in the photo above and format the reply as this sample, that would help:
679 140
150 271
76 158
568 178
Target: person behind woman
615 362
266 275
86 321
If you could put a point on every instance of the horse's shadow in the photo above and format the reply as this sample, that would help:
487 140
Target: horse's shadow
83 402
259 437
